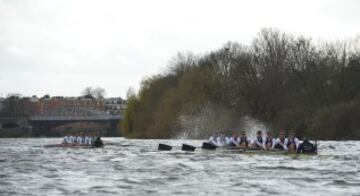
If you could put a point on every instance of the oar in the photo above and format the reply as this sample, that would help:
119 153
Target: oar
208 146
164 147
187 147
184 147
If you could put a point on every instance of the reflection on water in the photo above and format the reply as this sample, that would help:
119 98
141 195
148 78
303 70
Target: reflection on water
135 167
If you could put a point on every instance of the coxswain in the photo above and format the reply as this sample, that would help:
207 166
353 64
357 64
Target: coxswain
98 142
307 147
269 141
244 141
293 142
258 142
281 142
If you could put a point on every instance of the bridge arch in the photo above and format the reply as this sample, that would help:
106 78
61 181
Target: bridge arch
55 122
9 125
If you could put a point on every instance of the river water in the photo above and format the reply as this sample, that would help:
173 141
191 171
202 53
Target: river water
135 167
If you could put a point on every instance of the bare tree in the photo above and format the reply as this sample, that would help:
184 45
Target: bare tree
94 93
99 93
130 93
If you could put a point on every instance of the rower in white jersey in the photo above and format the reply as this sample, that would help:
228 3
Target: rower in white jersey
213 139
88 139
72 138
269 141
258 142
66 139
281 142
293 142
234 141
80 138
216 139
227 140
244 141
221 141
83 138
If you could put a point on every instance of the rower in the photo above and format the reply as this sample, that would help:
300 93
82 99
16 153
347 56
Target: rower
88 139
66 139
306 147
281 142
293 142
258 142
269 141
213 139
98 142
72 138
234 141
220 140
244 141
83 136
227 140
80 138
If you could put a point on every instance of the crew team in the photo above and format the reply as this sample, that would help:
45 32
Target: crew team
79 139
291 144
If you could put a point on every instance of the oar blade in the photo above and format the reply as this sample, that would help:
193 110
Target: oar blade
186 147
208 146
164 147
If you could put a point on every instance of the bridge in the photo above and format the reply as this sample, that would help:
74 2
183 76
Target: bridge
56 122
14 126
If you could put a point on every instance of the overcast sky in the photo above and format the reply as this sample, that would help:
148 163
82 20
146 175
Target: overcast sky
60 47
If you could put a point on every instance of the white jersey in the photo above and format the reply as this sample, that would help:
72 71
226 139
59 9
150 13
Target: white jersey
227 140
283 144
272 141
66 140
88 140
80 140
234 141
295 140
220 141
72 139
213 141
260 142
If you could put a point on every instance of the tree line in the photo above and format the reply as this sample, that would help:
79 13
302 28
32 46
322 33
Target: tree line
282 80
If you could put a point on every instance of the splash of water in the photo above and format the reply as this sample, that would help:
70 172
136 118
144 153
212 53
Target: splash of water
251 125
210 118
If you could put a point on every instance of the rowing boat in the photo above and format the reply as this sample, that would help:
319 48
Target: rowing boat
69 146
210 147
262 152
96 144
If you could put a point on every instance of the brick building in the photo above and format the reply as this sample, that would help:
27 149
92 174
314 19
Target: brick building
39 106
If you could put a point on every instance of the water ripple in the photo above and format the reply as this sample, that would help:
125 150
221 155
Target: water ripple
135 167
